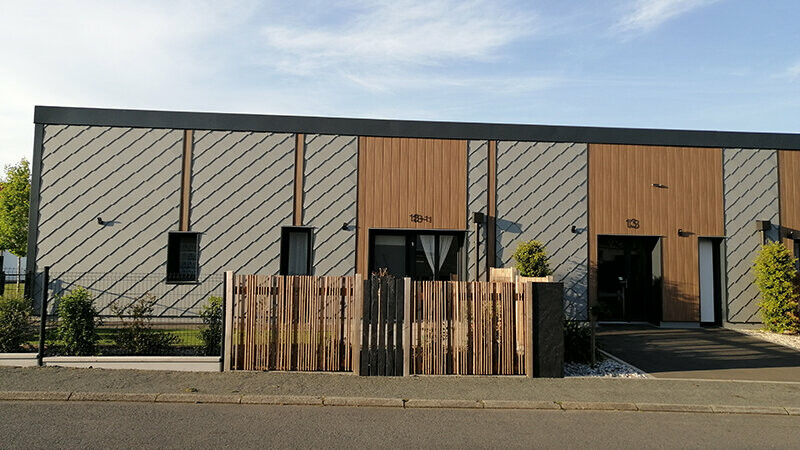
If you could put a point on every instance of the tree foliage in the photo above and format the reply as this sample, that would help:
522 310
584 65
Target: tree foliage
14 205
532 260
776 278
15 323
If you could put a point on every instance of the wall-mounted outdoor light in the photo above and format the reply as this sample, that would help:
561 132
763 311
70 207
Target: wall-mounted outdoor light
100 221
574 229
659 185
345 227
682 233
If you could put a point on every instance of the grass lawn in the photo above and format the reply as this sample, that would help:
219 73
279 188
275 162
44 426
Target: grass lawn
186 338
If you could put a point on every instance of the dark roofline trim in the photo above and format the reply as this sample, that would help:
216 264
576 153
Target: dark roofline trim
55 115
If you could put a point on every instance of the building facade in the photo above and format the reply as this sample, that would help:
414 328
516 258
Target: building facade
658 226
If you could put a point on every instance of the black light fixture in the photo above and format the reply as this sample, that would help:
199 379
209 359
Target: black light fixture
345 227
100 221
659 185
478 217
763 225
574 229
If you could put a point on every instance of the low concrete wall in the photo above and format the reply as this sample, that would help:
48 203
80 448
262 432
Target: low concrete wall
18 359
181 363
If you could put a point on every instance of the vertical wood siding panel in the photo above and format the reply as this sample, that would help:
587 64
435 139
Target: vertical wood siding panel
621 188
789 169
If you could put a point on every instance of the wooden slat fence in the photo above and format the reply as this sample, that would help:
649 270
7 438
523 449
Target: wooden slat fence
382 332
300 323
474 328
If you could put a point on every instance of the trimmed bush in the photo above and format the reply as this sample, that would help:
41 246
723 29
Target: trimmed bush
137 335
531 258
577 341
776 278
77 323
212 334
15 323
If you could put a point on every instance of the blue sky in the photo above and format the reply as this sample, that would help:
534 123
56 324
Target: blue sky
691 64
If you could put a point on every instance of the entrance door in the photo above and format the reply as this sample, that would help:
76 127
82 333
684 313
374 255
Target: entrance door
710 284
628 278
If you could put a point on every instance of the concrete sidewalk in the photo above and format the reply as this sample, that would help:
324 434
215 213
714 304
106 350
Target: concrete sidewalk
51 383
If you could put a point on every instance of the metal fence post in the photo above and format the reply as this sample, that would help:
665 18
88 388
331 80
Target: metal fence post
43 316
227 327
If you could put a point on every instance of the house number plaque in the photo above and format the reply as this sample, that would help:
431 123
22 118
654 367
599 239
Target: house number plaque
632 223
419 218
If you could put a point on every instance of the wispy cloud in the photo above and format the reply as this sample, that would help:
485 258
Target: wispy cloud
402 32
793 71
646 15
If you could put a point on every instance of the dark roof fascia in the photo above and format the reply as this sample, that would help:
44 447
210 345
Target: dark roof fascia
56 115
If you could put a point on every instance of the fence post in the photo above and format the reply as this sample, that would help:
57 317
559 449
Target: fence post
528 290
227 339
3 282
406 326
358 319
43 316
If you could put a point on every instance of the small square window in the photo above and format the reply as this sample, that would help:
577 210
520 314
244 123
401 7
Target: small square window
182 257
295 251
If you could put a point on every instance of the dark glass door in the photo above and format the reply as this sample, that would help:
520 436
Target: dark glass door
628 287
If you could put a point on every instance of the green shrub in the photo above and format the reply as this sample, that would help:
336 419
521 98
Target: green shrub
15 323
76 322
577 341
531 259
776 278
137 335
212 318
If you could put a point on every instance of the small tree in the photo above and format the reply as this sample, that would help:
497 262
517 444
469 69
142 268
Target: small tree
776 278
531 259
76 327
212 333
14 204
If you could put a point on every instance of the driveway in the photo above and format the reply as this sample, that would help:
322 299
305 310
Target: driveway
707 353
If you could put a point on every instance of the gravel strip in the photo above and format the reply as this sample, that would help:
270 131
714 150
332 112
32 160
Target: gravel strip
606 368
787 340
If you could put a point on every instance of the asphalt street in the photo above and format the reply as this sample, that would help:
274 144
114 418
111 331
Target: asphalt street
126 425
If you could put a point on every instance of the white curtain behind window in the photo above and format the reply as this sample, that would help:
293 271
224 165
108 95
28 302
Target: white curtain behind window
444 246
298 253
429 247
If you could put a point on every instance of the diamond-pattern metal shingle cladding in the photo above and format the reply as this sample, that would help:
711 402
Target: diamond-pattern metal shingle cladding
477 186
329 201
130 177
541 194
242 191
751 193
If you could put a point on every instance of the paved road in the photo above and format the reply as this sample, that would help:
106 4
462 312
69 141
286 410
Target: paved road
110 425
711 353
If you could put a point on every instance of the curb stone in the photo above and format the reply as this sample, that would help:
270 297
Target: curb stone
775 410
668 407
299 400
198 398
598 406
363 401
793 411
443 403
519 404
35 395
112 397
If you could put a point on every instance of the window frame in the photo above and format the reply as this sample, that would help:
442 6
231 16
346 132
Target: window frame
410 236
284 258
169 276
